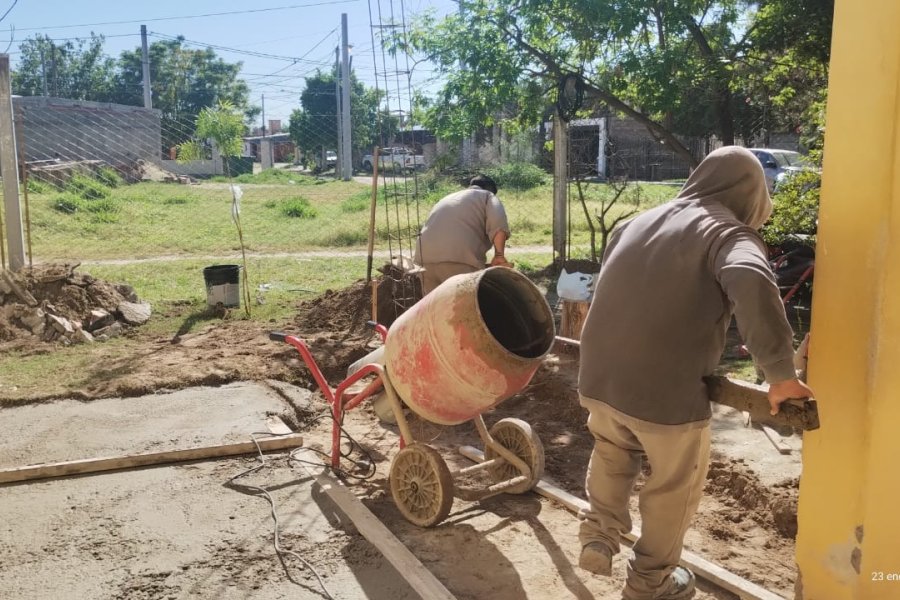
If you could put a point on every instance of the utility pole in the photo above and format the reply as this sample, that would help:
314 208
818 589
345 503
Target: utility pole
347 166
53 66
145 68
560 186
9 169
43 71
338 165
264 115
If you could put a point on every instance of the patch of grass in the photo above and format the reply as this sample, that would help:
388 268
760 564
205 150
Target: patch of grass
297 208
68 203
344 238
177 200
87 187
357 202
36 186
518 176
524 224
109 177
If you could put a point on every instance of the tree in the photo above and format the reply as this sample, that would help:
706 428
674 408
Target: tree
223 125
313 127
786 69
671 65
183 81
78 70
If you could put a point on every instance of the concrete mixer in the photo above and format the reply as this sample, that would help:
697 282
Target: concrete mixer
470 344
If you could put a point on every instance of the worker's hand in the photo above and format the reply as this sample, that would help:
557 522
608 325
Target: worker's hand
500 261
785 390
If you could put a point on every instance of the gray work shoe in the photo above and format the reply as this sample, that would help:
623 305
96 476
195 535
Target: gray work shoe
678 585
596 557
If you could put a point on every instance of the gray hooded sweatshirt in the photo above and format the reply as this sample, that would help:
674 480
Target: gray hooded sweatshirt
671 280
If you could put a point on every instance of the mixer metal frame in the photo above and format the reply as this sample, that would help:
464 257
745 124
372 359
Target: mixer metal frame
422 485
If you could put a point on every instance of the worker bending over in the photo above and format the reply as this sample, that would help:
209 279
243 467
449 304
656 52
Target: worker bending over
671 280
459 231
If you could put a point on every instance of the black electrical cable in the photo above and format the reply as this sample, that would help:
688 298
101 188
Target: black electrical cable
368 463
256 490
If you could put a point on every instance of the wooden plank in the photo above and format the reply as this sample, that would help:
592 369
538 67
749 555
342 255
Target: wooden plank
776 439
750 398
115 463
276 426
701 567
405 562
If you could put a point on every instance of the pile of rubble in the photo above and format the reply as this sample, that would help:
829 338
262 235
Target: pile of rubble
52 303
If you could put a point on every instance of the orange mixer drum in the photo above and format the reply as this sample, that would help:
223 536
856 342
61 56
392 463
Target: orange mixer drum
474 341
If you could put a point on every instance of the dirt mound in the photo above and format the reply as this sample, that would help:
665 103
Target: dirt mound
347 310
738 485
52 302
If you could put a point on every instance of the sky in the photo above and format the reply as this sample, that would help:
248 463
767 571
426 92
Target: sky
279 42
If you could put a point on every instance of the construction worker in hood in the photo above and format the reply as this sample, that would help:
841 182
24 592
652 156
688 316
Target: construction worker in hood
670 282
459 231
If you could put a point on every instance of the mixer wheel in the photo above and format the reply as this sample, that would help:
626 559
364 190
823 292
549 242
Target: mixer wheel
516 436
421 485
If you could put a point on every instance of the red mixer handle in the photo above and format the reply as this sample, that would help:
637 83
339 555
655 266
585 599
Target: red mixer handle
381 329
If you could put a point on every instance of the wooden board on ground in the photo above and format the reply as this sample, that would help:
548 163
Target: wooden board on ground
114 463
776 439
701 567
408 566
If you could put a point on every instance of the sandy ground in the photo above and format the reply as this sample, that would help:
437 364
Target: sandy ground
180 532
171 531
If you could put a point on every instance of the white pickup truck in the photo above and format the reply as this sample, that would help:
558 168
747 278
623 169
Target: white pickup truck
396 158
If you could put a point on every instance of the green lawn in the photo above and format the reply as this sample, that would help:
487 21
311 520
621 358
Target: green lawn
287 213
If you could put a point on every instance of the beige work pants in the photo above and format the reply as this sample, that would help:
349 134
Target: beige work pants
679 459
437 273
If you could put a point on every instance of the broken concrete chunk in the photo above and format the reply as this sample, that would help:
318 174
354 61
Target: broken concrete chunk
134 313
110 331
81 336
60 324
34 321
99 319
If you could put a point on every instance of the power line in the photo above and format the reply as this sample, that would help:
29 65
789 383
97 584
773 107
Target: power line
219 14
11 6
308 52
79 38
294 59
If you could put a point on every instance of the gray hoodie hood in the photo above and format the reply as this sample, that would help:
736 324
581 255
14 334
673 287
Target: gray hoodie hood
732 177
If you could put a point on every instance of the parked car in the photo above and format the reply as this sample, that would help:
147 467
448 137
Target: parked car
778 165
396 158
330 158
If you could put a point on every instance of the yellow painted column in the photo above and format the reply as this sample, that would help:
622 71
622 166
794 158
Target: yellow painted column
848 546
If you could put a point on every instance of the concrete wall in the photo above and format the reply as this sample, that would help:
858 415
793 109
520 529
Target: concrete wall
56 128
